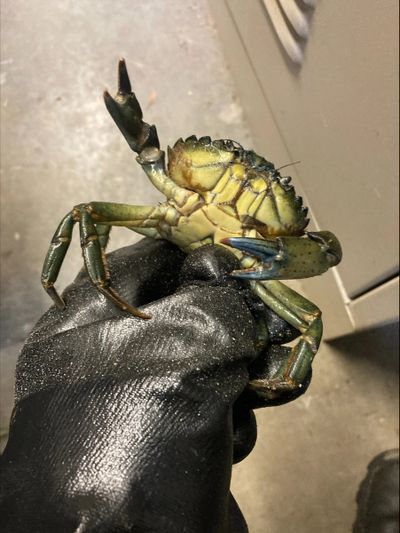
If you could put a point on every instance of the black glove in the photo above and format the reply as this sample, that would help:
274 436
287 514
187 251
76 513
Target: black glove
378 496
123 424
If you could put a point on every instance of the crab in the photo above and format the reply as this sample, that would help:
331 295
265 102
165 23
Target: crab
217 193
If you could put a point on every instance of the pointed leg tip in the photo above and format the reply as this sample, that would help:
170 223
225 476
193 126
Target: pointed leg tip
143 316
110 293
135 312
57 299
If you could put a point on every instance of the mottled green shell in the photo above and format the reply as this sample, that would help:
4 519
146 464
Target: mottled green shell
240 182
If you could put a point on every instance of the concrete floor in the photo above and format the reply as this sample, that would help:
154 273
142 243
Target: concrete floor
59 147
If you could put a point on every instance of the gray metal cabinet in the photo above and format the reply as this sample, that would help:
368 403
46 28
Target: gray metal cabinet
334 106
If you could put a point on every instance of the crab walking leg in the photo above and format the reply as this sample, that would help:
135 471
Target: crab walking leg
103 232
55 257
95 221
303 315
126 215
95 262
152 161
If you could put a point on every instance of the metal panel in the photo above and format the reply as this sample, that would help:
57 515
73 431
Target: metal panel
337 113
268 142
365 263
383 300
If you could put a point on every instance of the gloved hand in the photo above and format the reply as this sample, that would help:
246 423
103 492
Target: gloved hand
123 424
378 496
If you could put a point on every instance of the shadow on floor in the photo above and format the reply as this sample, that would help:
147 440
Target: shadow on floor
378 346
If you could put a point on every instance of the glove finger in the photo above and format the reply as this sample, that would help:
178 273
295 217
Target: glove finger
244 431
210 265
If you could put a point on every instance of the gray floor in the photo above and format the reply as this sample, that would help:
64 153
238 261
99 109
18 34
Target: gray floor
59 147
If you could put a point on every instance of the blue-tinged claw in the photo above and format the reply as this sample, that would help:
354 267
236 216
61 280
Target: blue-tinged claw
256 273
262 249
268 252
288 257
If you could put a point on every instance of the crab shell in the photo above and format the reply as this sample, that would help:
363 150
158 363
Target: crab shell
240 194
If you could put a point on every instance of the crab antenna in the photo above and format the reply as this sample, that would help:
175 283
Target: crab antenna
288 165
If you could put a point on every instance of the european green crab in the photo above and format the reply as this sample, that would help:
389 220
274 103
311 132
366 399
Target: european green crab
217 193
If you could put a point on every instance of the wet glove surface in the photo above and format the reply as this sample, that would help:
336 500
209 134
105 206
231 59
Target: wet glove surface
123 424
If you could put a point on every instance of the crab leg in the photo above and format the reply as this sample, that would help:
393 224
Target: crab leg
95 221
303 315
55 257
96 264
103 231
142 138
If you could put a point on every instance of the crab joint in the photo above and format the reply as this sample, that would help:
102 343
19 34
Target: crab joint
152 161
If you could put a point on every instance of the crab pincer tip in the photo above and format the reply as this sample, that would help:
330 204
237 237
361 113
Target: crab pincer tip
124 84
233 242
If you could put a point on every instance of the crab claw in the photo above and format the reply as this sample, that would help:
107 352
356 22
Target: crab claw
268 253
288 257
261 248
127 114
329 244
